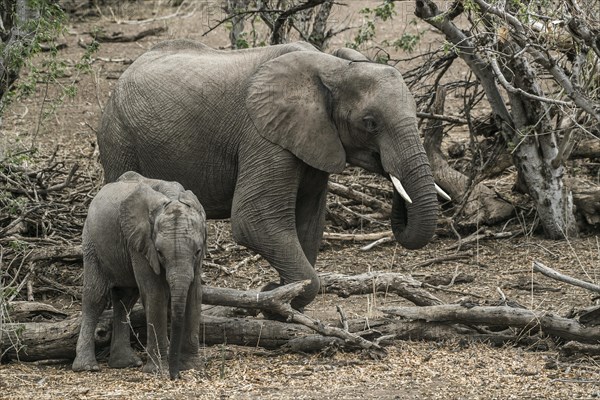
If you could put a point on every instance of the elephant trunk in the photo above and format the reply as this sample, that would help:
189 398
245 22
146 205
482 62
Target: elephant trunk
413 223
179 294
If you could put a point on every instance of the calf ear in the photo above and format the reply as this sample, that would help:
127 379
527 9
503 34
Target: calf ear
290 103
136 215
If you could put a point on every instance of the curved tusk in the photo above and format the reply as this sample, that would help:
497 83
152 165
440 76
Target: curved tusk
400 189
441 192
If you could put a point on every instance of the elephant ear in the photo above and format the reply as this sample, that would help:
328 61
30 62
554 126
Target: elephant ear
189 199
136 214
350 54
290 103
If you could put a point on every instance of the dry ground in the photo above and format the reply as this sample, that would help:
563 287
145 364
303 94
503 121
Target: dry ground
412 370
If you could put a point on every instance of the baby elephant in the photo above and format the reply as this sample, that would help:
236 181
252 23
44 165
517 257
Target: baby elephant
143 237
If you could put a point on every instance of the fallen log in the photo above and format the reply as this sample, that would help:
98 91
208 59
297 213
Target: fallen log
526 320
56 340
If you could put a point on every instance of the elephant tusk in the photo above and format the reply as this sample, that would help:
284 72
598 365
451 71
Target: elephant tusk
441 192
400 189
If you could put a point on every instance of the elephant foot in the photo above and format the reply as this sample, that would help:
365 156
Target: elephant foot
191 362
124 359
82 364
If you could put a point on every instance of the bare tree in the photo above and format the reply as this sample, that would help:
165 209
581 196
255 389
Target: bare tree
22 23
538 69
285 20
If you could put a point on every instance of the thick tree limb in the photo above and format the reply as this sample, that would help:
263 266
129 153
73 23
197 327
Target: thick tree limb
372 282
546 322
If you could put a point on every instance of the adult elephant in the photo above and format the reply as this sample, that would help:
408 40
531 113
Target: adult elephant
255 134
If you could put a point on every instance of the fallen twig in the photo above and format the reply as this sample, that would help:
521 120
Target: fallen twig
357 237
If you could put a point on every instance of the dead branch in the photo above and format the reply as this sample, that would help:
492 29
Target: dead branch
120 37
283 17
549 272
446 118
276 300
383 282
527 320
589 148
25 310
357 237
477 236
362 198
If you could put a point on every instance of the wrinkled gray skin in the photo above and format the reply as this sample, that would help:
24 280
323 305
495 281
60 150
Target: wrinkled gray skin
143 237
255 134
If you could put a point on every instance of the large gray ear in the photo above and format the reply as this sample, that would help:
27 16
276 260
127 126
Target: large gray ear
289 101
189 199
136 214
349 54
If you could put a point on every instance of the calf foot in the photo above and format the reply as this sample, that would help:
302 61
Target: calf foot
160 368
85 364
191 362
124 359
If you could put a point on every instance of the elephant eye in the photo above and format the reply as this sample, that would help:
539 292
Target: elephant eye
198 252
160 254
370 124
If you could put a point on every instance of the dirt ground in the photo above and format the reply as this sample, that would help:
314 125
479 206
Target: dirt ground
411 370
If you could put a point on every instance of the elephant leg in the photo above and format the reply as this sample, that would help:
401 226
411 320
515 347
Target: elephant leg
154 293
121 353
263 218
310 211
95 290
190 347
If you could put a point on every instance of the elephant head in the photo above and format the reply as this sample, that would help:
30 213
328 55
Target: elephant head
330 111
171 235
